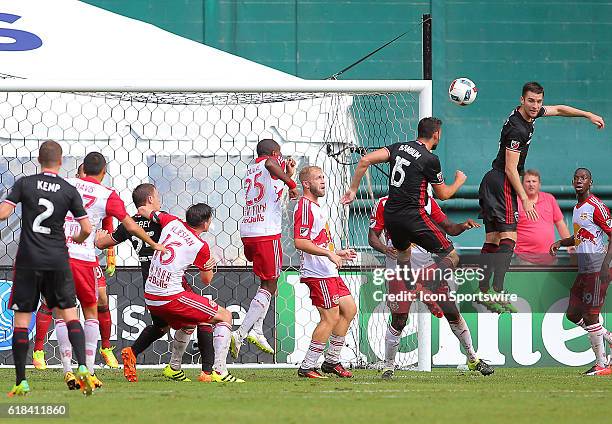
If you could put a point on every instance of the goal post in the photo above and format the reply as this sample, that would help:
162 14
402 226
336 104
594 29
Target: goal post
194 143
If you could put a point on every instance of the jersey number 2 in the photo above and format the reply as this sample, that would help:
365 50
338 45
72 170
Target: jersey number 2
398 174
260 189
36 227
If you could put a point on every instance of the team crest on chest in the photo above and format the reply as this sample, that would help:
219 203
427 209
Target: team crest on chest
514 144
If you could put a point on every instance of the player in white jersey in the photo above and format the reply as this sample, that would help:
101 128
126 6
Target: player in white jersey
165 295
592 222
99 202
260 230
319 271
420 259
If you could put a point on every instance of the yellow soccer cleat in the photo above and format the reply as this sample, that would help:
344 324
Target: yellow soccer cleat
38 360
109 357
71 381
86 382
260 341
171 374
20 389
97 383
226 377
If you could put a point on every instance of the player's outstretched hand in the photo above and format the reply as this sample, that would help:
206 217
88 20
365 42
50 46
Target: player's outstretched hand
159 247
291 164
210 264
460 177
530 209
294 193
347 254
598 121
348 197
337 260
469 224
554 248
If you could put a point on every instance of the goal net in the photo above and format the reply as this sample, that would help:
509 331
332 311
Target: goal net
195 147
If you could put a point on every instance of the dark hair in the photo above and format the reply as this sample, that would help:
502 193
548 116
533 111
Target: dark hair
266 146
141 192
79 168
94 163
533 172
585 170
428 126
197 214
50 153
534 87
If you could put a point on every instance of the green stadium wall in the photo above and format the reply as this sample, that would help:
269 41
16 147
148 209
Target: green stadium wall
565 45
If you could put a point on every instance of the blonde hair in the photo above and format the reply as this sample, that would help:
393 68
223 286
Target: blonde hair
306 172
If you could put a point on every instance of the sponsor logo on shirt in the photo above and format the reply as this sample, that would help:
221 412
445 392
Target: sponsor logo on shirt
440 176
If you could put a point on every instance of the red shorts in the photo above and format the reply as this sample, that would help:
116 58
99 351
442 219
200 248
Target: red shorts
85 282
266 255
100 276
588 294
326 292
185 309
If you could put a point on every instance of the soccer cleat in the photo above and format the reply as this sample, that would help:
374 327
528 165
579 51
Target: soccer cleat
310 373
20 389
597 370
109 357
86 382
96 381
38 360
506 305
388 374
129 364
175 375
226 377
205 377
490 305
260 341
71 381
336 369
481 366
235 344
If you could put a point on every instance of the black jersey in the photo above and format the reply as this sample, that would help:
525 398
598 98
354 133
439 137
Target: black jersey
412 168
46 199
515 136
143 250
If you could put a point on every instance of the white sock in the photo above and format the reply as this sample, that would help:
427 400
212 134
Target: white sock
336 343
92 332
462 332
63 341
392 341
596 332
179 346
312 356
258 326
221 342
607 335
258 308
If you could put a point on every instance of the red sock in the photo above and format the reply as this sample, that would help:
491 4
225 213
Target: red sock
104 318
44 316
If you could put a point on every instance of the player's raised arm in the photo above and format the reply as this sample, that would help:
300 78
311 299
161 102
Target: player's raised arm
133 228
277 171
572 112
372 158
6 209
445 192
10 203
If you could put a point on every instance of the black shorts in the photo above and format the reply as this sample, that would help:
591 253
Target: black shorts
416 226
498 203
56 286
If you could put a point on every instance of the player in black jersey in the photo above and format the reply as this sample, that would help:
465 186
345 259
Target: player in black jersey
501 186
147 195
41 264
413 167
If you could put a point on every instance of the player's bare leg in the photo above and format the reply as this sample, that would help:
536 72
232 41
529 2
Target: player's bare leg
104 318
597 332
575 315
320 335
252 325
222 335
332 364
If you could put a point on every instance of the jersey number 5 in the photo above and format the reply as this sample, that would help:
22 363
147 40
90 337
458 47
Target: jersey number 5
36 227
398 174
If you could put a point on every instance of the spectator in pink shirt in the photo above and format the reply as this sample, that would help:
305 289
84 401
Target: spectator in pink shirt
535 237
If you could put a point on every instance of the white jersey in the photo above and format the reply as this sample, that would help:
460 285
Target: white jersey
592 222
99 202
184 248
310 222
262 214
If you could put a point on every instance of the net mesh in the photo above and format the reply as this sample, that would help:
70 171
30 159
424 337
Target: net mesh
195 147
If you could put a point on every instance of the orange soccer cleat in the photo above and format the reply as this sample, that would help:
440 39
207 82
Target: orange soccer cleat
129 364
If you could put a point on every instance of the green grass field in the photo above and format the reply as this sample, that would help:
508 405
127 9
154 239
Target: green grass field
513 395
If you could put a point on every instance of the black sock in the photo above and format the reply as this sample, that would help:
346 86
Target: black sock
146 338
502 262
205 344
77 340
487 262
21 343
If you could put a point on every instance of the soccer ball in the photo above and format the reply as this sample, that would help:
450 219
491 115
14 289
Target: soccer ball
462 91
